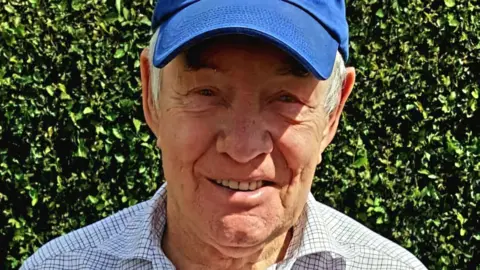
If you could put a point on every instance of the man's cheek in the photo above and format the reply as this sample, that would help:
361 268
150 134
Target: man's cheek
189 139
295 157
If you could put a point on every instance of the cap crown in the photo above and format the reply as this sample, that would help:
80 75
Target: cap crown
331 14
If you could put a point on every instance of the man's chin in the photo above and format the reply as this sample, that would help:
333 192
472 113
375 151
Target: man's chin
235 252
240 236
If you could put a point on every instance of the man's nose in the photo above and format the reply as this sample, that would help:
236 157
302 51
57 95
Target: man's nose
244 139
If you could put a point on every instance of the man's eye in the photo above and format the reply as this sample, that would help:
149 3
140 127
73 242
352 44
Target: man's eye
206 92
288 99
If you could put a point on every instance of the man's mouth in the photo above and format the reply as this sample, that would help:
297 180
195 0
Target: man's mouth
240 186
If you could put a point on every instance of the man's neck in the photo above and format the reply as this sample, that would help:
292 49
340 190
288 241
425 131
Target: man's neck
186 251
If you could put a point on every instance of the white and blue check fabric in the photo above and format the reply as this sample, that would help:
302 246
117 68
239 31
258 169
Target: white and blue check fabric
323 238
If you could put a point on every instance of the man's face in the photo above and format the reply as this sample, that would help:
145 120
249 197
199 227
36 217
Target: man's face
239 117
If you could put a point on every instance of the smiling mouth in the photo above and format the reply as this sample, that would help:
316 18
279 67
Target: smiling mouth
240 186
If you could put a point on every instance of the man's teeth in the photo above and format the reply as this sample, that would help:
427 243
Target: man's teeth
240 185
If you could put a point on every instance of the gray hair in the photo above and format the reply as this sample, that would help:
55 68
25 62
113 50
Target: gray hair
331 101
155 73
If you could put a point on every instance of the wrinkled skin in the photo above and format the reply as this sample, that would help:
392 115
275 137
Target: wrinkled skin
242 117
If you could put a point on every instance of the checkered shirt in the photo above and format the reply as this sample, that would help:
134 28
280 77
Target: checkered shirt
323 238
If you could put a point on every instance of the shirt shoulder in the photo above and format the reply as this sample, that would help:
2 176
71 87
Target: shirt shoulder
95 243
367 248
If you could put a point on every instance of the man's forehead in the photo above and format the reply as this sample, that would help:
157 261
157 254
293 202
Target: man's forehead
204 54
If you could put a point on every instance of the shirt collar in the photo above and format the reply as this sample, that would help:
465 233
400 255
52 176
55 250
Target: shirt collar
312 235
142 236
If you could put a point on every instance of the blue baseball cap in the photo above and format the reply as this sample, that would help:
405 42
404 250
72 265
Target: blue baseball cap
312 31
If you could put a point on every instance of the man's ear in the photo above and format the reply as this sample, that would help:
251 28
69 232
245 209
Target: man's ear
334 117
150 109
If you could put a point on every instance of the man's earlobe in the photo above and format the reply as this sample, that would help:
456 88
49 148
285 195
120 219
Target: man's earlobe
324 143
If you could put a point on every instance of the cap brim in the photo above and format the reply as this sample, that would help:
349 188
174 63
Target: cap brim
283 24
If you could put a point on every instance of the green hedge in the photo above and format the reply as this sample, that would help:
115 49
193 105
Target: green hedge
74 147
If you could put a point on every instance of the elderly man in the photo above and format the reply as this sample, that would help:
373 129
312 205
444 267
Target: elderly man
243 97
